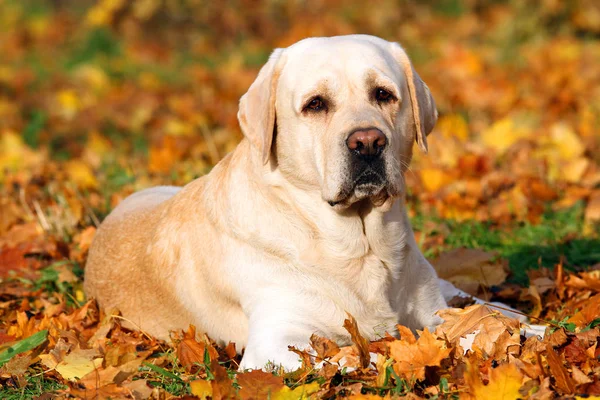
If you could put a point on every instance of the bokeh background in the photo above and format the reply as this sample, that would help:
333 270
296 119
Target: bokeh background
99 99
102 98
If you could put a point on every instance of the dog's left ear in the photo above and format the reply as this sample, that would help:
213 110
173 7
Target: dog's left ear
257 107
423 106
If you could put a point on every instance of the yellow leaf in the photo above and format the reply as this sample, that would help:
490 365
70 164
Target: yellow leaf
15 154
78 364
453 125
298 393
93 77
574 170
566 141
503 134
81 174
201 388
505 382
69 103
434 178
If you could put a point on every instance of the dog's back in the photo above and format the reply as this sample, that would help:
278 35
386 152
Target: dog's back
118 258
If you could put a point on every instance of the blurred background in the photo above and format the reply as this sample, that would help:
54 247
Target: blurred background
99 99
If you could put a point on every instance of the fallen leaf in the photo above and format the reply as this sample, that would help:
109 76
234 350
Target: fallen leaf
360 342
557 370
325 348
78 364
190 352
257 385
201 388
298 393
412 358
504 383
469 269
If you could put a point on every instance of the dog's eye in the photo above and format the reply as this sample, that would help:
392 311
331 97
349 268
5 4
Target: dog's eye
383 96
316 104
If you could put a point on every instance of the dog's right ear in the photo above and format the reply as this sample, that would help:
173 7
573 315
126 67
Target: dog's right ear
257 107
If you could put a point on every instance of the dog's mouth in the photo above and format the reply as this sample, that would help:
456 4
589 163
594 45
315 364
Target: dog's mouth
370 183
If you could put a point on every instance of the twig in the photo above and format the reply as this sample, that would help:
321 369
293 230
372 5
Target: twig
521 313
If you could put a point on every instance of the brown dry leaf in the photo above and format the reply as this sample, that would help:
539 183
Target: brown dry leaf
589 312
563 380
458 323
556 338
469 269
222 386
257 385
325 348
543 392
190 352
579 377
532 294
361 343
349 356
112 375
592 211
111 391
412 358
139 389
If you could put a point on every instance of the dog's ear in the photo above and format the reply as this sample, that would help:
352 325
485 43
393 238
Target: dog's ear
257 107
423 106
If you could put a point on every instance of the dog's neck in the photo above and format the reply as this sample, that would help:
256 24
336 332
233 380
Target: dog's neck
299 220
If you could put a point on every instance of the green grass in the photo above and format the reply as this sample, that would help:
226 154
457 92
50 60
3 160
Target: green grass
526 246
35 386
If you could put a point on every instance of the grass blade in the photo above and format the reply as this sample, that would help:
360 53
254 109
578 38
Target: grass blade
163 372
22 346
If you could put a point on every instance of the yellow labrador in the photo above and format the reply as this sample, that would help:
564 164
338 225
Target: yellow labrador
303 223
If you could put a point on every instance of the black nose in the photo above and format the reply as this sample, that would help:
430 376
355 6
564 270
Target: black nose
367 143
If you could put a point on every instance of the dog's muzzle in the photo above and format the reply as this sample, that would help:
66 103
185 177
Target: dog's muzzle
366 160
367 176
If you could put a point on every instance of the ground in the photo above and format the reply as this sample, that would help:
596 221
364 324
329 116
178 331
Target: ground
100 99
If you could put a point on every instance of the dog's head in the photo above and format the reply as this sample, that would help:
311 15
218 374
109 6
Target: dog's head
339 114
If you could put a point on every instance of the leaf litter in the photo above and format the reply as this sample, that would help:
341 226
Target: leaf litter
85 122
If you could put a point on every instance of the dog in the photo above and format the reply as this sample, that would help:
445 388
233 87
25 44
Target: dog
301 224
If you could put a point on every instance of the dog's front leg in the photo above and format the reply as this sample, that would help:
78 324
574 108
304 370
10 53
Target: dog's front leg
417 292
273 326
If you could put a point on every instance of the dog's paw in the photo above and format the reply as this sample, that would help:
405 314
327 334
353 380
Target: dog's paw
288 360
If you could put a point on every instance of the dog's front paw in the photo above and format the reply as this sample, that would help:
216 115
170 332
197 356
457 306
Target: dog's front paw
270 360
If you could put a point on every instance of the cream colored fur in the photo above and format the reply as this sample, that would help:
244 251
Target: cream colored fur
253 252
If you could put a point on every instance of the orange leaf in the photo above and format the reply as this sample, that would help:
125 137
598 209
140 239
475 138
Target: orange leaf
325 348
412 358
559 372
191 352
257 385
362 344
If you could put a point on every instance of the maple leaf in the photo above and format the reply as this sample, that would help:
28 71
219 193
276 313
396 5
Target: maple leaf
412 358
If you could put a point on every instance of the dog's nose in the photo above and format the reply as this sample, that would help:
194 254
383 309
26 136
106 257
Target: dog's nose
368 142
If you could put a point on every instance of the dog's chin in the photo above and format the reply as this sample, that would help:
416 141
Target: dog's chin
379 194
